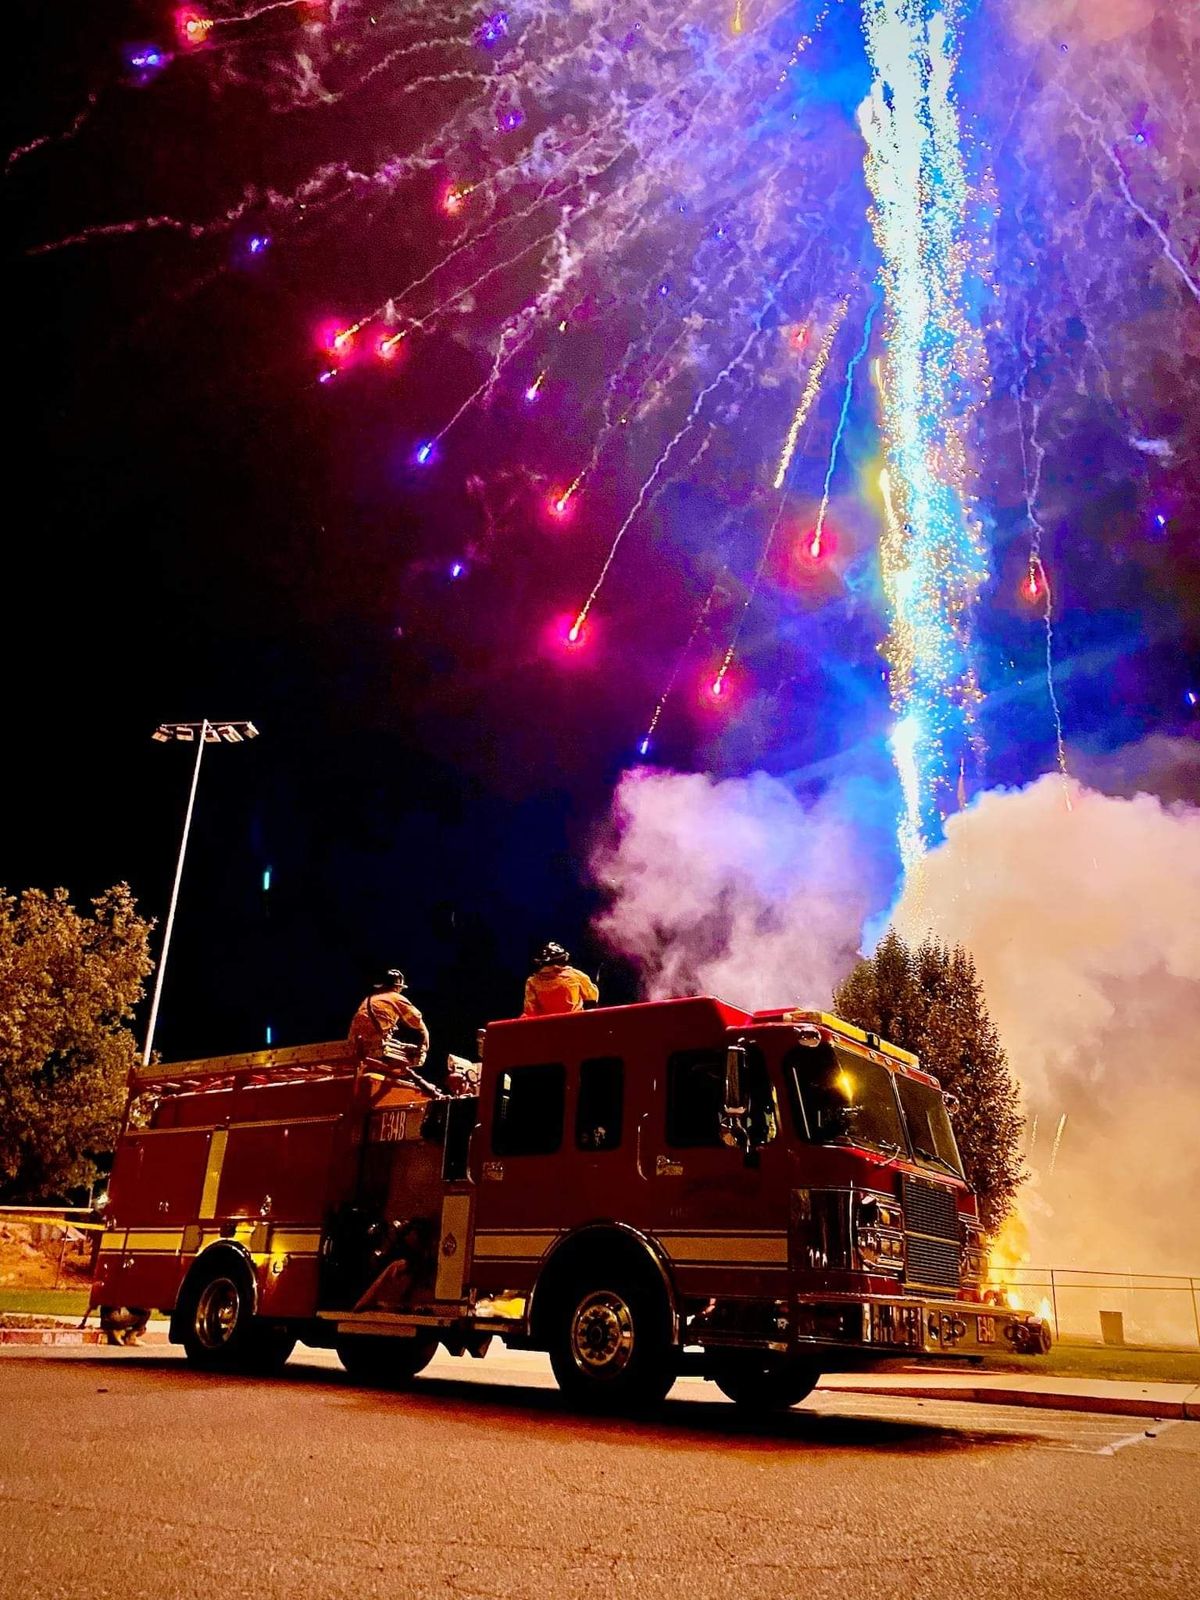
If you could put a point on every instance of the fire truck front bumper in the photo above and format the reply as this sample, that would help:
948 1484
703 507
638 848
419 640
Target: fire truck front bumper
913 1326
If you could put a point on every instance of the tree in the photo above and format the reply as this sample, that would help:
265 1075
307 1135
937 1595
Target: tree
68 987
930 1001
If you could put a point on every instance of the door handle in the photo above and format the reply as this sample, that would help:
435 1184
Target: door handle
637 1148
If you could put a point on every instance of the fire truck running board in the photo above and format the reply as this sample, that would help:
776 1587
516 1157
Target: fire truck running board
397 1323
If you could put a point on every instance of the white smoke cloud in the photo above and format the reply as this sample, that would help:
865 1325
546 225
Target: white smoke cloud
1084 922
1085 925
733 887
1088 21
1160 449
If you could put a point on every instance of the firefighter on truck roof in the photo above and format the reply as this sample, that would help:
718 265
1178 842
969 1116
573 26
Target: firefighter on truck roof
555 987
386 1017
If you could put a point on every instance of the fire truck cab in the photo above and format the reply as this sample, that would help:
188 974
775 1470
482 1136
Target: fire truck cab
638 1191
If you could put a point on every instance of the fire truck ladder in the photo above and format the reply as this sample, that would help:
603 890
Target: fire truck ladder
301 1062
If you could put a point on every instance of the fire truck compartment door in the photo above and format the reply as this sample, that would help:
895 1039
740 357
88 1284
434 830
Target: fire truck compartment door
453 1240
212 1173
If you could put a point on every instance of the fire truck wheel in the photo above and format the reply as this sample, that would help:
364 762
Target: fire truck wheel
609 1344
267 1350
385 1363
766 1386
219 1329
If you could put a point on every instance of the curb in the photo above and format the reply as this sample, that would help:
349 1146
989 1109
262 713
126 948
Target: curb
1186 1409
60 1336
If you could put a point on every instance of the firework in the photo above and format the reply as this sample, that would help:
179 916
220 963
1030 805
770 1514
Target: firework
645 227
932 552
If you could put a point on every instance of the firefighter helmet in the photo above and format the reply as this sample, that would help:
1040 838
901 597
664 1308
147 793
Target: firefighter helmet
393 978
552 955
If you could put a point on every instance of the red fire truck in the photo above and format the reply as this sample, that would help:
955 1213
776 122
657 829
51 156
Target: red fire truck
639 1191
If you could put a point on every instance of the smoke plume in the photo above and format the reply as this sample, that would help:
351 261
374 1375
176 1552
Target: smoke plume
1084 921
1081 909
733 887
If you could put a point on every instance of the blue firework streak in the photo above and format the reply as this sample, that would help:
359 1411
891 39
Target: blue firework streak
932 550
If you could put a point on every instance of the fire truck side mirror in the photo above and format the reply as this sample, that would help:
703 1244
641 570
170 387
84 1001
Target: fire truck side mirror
734 1132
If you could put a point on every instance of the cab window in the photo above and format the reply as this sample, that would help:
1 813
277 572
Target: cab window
841 1097
528 1117
600 1107
696 1095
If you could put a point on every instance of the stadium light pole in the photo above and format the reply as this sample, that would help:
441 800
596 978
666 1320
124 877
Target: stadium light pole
201 734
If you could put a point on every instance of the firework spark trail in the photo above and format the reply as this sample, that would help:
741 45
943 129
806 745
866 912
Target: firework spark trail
430 317
660 465
309 195
648 389
597 204
259 11
1152 223
404 51
653 487
752 594
811 390
1113 155
1039 580
1060 747
658 140
932 576
1058 1136
44 139
680 135
387 308
502 358
680 660
487 386
847 392
515 335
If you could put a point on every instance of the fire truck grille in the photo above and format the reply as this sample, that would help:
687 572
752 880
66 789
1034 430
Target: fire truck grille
933 1243
931 1263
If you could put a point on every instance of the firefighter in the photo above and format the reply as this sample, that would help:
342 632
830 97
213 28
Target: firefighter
386 1018
123 1324
555 987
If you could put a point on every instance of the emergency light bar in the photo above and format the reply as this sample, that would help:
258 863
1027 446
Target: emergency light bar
842 1029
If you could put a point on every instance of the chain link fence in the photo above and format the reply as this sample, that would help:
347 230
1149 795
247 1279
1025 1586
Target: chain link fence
1113 1308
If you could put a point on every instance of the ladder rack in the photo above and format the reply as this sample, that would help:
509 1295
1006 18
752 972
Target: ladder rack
299 1062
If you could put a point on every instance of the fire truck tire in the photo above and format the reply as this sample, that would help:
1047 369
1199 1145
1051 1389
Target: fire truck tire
385 1363
766 1386
218 1327
609 1342
268 1350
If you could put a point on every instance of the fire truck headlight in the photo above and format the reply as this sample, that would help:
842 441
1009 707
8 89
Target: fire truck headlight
879 1232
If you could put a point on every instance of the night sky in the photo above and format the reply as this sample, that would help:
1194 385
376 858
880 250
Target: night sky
200 526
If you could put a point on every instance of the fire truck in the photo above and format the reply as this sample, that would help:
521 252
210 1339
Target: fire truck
639 1191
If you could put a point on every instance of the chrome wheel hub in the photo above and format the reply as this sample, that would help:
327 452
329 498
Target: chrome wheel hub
217 1313
602 1334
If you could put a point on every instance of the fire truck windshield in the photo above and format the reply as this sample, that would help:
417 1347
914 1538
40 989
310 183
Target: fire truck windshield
840 1096
929 1128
